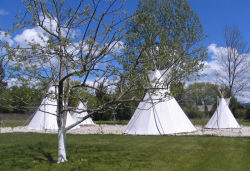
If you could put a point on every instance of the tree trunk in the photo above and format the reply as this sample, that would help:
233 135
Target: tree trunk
61 140
61 145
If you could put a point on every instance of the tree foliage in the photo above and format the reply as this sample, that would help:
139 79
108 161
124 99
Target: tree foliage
201 94
20 100
165 34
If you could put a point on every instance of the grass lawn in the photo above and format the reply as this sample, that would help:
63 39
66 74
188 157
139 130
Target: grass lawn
123 122
33 151
202 122
12 123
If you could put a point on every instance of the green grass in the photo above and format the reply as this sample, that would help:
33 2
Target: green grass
199 121
244 122
30 151
12 123
202 122
123 122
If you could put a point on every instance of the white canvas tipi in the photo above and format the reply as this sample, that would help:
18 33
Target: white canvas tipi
45 117
78 116
222 117
158 117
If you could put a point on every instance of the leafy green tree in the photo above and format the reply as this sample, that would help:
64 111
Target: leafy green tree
20 100
236 106
78 94
5 100
192 111
1 74
102 96
247 115
25 99
201 94
165 34
178 91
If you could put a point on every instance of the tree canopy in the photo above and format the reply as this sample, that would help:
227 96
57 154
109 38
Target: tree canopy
165 34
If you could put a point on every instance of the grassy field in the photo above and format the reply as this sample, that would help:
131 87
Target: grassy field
30 151
202 122
13 123
123 122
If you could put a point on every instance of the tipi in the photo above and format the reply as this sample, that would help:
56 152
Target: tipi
78 116
158 117
45 116
222 117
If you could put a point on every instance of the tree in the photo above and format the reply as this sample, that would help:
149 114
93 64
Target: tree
178 91
165 34
84 43
201 94
24 99
80 42
234 63
3 44
1 73
247 115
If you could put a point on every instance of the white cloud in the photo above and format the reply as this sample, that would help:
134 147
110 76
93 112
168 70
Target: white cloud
13 82
3 12
33 35
117 46
213 66
38 35
6 38
215 51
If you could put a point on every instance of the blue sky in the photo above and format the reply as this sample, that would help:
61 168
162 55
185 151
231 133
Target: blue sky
214 16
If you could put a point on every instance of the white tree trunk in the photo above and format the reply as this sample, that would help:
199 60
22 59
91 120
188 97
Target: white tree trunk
61 145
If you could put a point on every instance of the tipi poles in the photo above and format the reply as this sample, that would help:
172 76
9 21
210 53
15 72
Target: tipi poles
156 115
217 120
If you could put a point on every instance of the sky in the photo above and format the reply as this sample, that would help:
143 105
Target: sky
214 16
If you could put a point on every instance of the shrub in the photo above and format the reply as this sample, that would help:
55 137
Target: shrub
193 112
247 115
239 113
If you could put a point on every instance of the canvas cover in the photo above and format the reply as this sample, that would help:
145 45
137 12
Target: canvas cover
158 117
45 117
222 117
78 116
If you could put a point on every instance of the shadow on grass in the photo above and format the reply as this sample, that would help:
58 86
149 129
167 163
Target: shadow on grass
40 148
